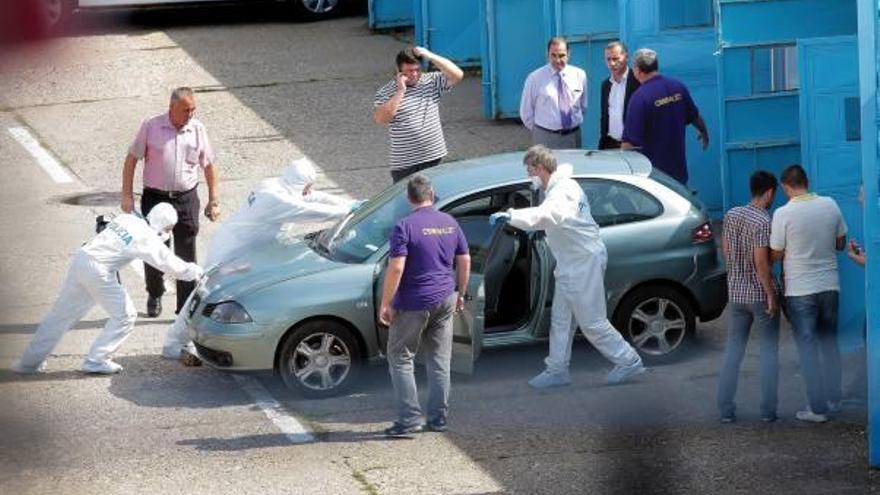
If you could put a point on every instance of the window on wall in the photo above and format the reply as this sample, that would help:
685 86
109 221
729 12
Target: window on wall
852 115
774 69
677 14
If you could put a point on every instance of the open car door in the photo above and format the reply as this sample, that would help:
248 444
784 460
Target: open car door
467 328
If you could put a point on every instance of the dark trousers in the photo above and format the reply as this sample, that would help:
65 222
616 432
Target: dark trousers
398 174
608 143
184 235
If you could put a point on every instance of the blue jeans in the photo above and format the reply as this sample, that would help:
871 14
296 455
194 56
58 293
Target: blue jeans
814 324
739 324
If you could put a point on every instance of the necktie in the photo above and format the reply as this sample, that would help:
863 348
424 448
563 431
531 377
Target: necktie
564 102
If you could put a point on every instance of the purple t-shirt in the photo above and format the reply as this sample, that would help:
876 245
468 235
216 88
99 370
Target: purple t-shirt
656 118
430 240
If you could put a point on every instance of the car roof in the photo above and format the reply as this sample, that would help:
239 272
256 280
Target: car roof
464 176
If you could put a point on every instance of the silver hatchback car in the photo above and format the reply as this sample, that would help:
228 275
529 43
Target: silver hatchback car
307 307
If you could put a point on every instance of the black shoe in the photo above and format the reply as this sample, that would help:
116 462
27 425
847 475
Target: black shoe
397 429
154 306
437 424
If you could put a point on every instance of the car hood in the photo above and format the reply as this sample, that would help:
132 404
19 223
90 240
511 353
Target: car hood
264 266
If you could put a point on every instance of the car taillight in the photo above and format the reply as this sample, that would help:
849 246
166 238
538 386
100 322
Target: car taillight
703 233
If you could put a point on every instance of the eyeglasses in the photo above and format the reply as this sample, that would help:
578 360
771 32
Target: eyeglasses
559 56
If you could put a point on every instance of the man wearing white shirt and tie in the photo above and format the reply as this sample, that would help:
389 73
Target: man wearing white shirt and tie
554 100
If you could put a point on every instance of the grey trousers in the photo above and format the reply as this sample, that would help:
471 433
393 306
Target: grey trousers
408 328
556 141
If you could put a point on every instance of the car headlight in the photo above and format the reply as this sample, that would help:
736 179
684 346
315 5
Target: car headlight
227 312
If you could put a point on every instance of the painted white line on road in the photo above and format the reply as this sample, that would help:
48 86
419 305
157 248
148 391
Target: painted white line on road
290 426
41 154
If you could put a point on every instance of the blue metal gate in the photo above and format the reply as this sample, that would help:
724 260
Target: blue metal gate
385 14
869 63
451 28
830 152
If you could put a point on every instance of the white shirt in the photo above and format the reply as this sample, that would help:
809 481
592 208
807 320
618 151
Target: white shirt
806 229
616 98
539 104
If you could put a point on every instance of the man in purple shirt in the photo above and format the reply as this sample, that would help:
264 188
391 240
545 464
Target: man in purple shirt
419 298
657 115
173 146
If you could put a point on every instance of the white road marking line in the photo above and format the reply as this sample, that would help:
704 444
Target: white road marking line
293 429
44 159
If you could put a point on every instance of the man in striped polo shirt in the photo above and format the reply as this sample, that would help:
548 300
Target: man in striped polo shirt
409 106
753 295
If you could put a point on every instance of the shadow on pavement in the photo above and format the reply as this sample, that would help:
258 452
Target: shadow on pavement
30 328
150 381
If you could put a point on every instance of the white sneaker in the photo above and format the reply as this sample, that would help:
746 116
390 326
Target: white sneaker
808 415
107 367
547 379
26 370
620 373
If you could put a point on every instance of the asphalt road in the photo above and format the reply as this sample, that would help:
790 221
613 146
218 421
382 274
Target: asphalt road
270 90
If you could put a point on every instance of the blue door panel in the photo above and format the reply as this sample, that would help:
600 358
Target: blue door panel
390 13
763 119
450 28
828 77
755 22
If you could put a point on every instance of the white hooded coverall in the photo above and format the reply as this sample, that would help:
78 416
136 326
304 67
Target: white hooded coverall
275 202
91 279
573 237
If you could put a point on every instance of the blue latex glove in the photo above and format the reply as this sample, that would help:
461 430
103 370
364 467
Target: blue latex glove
357 205
499 218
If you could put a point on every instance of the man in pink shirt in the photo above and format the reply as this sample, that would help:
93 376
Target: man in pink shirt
174 146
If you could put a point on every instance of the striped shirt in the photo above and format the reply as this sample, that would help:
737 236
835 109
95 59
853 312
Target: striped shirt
745 229
415 134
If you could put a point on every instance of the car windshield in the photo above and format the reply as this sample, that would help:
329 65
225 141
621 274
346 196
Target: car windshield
354 238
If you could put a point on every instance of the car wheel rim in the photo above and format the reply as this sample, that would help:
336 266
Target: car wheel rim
657 326
52 11
319 6
321 361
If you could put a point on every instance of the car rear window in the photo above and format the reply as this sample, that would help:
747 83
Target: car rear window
676 186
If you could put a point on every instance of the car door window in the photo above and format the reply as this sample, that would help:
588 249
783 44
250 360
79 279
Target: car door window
472 214
615 203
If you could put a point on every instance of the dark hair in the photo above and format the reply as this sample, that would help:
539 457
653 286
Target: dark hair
795 176
616 44
419 189
407 56
761 181
557 40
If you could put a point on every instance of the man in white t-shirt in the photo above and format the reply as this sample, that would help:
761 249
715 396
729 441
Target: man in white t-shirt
806 234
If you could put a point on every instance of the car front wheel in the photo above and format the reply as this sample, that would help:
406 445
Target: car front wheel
320 359
656 320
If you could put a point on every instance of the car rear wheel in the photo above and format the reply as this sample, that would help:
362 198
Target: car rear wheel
320 359
656 320
316 9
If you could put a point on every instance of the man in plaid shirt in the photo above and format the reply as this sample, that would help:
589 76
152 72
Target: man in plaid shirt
753 294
